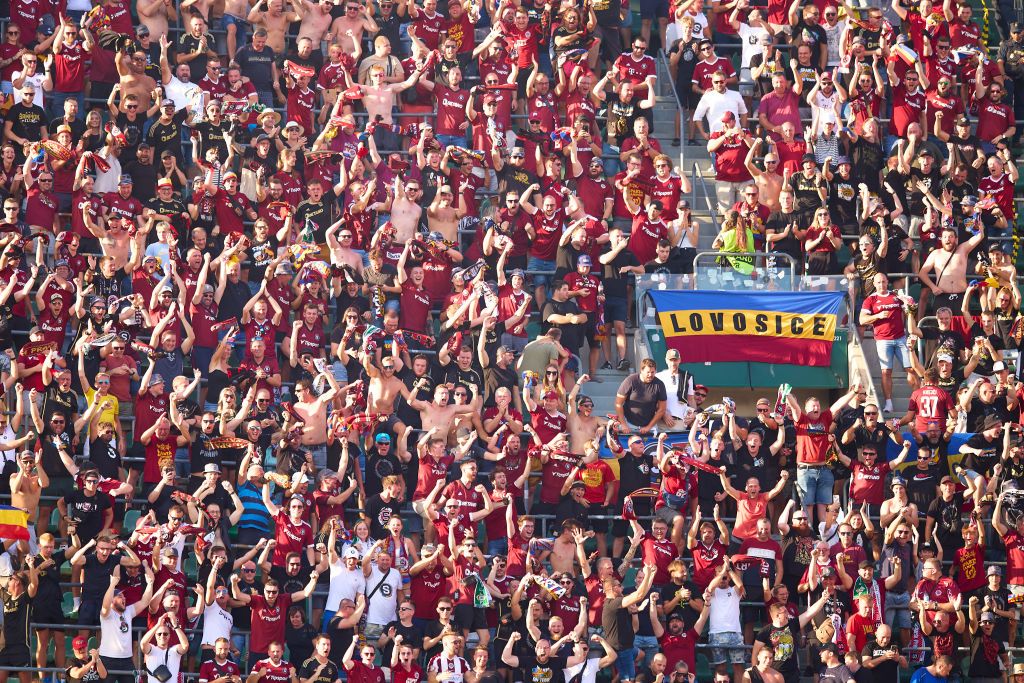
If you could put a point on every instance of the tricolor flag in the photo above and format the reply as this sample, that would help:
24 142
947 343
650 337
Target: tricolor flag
760 327
13 523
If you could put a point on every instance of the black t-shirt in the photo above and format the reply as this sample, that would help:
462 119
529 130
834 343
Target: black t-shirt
985 656
167 136
784 641
690 615
988 455
495 378
922 485
144 180
410 634
27 121
948 342
642 398
380 512
56 400
90 676
948 522
132 130
89 509
257 66
49 591
614 281
329 674
17 614
533 671
515 178
96 575
886 670
980 410
776 223
572 333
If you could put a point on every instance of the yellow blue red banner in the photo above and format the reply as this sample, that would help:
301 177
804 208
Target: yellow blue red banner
795 328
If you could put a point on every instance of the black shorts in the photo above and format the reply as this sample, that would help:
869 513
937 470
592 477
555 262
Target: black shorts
16 655
470 617
48 614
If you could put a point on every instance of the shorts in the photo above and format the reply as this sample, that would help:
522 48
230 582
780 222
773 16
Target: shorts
897 610
48 614
889 349
89 613
653 9
625 664
15 655
616 310
814 484
59 487
540 279
470 617
726 647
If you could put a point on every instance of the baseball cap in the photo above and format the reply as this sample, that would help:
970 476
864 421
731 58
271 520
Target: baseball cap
299 478
125 179
675 615
517 271
987 616
262 137
490 97
947 478
157 378
351 552
506 349
584 261
672 354
944 357
166 102
925 153
61 262
552 395
164 182
383 438
830 647
211 467
898 481
80 643
578 484
827 572
808 157
994 570
962 121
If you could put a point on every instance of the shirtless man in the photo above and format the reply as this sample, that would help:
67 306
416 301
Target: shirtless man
156 15
134 80
563 551
348 29
342 253
385 387
439 414
313 411
442 216
949 263
27 485
379 97
583 425
275 20
767 181
406 210
234 25
115 241
316 21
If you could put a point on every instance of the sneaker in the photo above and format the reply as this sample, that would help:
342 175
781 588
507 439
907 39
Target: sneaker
606 366
623 365
888 405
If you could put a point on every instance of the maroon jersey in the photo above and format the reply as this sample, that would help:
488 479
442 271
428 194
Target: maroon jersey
430 472
643 240
451 110
425 589
635 70
69 67
211 669
275 673
556 471
429 28
547 231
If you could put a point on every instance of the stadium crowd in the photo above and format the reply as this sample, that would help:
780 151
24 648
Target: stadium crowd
294 298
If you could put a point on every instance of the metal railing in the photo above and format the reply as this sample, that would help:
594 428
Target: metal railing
698 179
773 271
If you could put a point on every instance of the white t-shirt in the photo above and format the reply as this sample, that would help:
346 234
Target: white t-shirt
116 633
713 104
751 38
589 667
157 656
217 623
383 606
673 406
725 611
185 95
35 81
344 584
